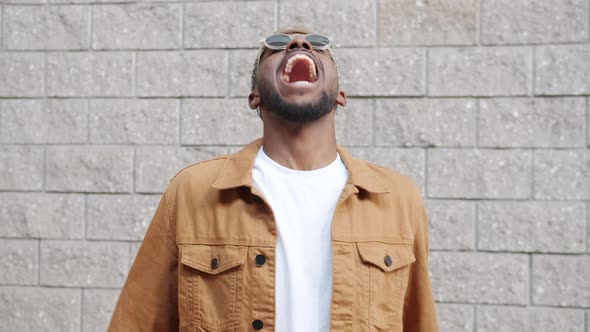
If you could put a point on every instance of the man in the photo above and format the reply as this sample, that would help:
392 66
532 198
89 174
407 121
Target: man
290 234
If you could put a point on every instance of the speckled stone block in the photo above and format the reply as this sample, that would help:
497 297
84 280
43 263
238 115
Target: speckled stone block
134 121
480 277
425 122
444 22
41 215
562 174
84 264
98 308
245 23
241 64
469 173
19 262
382 71
559 280
21 74
89 169
451 224
455 317
533 21
354 123
120 217
532 122
40 309
137 26
476 71
44 121
532 226
90 74
46 27
338 24
218 121
188 73
528 319
562 70
406 161
156 166
22 167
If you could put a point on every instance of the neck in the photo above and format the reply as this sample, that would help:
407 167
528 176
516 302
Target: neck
302 147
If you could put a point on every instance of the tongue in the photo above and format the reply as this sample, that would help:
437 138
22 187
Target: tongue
300 72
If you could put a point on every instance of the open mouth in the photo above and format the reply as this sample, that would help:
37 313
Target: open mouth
300 69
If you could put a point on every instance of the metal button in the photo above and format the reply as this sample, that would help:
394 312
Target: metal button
214 263
260 260
388 260
257 324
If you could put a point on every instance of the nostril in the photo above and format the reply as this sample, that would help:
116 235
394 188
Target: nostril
292 46
306 46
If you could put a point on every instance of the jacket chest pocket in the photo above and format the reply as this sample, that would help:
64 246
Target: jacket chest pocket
386 267
213 279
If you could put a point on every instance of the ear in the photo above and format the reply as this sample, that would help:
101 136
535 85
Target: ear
341 98
253 100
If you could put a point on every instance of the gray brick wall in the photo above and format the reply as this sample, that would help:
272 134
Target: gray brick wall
484 103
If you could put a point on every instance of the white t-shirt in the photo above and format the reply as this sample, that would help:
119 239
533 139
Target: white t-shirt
303 203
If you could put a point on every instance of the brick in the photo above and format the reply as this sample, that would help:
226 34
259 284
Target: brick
46 27
120 217
98 308
531 22
19 262
218 121
532 122
471 71
89 168
354 123
84 264
562 174
41 215
425 122
134 121
244 23
560 280
381 71
527 319
532 226
192 73
21 74
44 121
156 166
458 173
455 317
90 74
241 64
22 167
562 70
480 277
137 26
337 24
451 224
40 309
446 22
406 161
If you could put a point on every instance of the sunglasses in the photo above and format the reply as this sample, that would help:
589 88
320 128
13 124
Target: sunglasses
280 41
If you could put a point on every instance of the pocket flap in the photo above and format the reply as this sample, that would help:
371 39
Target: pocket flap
377 253
201 257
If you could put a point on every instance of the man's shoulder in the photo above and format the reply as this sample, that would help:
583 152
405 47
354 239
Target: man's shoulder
200 173
393 180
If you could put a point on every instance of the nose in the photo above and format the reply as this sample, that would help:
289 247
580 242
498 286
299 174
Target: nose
298 42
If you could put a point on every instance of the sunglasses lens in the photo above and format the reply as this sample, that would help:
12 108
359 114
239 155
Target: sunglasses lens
318 40
278 40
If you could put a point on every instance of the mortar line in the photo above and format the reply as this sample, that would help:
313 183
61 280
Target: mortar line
530 297
38 262
474 323
587 118
478 15
82 310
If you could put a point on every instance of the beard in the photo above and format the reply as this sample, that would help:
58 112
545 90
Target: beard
291 112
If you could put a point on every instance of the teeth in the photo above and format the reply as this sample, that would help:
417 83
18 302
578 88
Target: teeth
291 61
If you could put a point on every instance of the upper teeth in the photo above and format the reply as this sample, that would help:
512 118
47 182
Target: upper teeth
291 61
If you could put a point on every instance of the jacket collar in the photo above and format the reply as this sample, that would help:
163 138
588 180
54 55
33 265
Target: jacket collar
237 170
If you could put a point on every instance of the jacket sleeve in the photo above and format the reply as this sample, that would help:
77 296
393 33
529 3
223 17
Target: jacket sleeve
419 307
148 301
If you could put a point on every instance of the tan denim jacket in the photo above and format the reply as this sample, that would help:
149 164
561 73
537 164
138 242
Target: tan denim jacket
207 262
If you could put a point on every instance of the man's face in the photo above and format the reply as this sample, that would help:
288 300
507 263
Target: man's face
299 84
